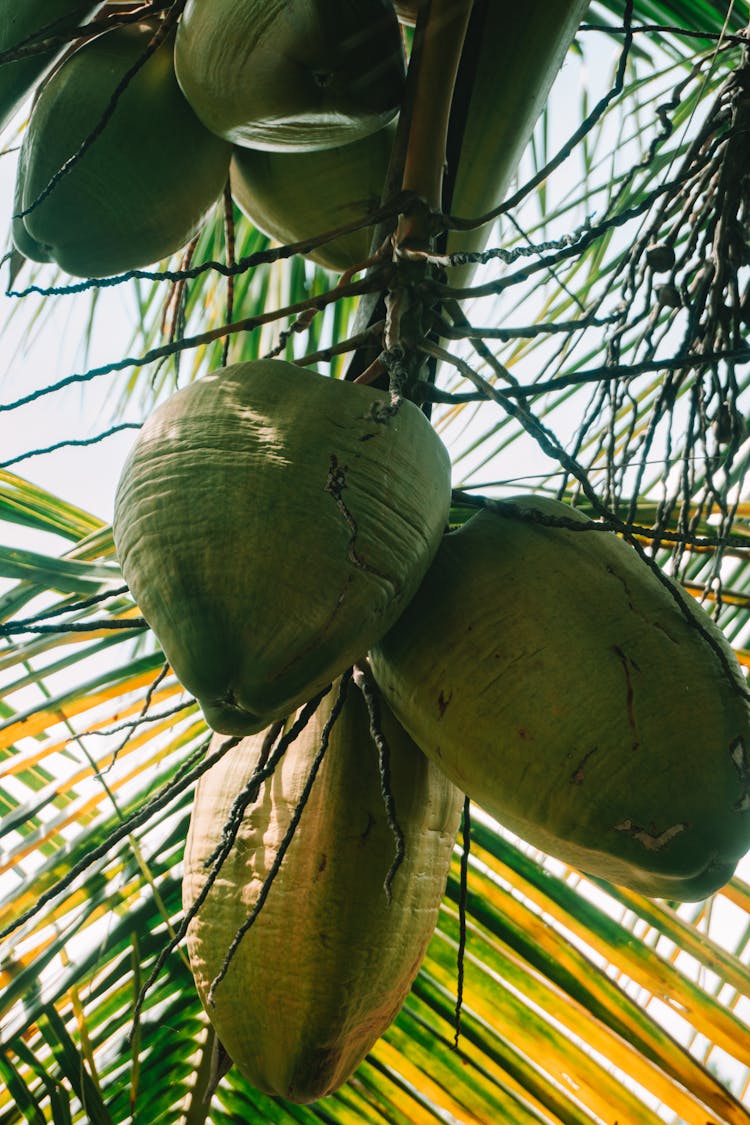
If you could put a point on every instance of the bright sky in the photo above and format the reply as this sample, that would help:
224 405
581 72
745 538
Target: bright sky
39 349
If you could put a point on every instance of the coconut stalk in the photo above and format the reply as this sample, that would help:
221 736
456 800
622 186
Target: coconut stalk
437 66
421 144
478 79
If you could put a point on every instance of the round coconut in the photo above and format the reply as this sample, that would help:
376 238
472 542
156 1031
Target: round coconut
292 196
146 175
291 74
272 524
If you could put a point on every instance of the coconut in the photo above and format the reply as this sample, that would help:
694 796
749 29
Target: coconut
142 187
590 705
327 963
24 24
291 74
272 523
292 196
511 57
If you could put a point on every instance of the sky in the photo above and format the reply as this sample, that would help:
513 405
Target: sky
40 344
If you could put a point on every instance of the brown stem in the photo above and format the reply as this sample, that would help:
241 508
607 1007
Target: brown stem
444 23
406 10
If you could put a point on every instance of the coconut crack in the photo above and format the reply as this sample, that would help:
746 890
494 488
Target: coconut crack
443 701
364 680
634 608
651 840
335 484
314 643
578 776
627 665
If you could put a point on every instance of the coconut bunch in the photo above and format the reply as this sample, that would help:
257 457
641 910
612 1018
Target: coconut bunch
129 144
131 134
273 524
277 527
293 195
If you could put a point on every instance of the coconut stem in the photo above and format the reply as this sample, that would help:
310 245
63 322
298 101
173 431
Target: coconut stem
436 53
444 23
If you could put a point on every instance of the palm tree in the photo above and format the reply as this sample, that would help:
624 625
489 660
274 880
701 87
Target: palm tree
604 360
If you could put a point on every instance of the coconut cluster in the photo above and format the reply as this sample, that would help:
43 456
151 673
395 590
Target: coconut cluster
273 524
278 527
130 143
133 130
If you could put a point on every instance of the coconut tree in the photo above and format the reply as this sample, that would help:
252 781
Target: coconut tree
589 346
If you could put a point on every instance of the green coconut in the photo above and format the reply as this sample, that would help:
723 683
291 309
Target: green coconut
142 188
291 74
23 23
511 58
272 524
325 967
22 240
292 196
590 705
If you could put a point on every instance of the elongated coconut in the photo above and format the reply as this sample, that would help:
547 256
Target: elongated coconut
590 705
328 961
144 174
